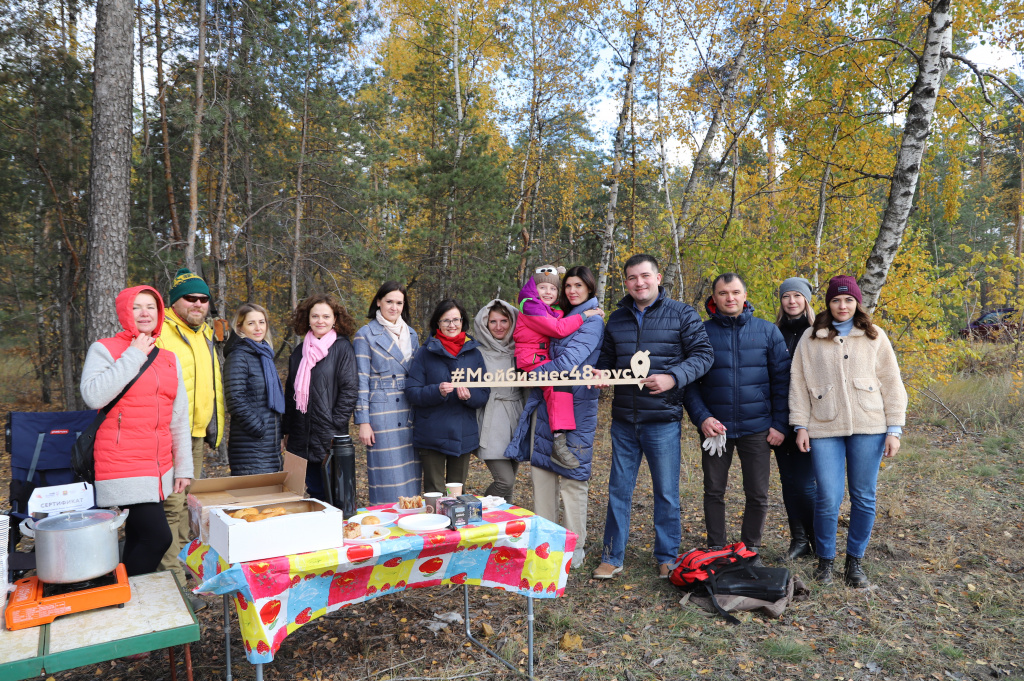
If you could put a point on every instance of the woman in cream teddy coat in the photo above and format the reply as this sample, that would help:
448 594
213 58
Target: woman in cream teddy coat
848 405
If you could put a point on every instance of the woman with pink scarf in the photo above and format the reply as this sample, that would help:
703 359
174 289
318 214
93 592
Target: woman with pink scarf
322 387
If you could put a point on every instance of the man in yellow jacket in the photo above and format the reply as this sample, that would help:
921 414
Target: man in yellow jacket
188 336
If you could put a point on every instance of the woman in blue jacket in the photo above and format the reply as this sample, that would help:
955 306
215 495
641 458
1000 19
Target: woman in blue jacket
445 430
551 482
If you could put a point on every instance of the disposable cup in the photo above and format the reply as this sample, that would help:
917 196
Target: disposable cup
454 489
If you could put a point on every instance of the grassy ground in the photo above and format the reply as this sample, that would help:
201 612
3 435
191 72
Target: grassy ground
946 561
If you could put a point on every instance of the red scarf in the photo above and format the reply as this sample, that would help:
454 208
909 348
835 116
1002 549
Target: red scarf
452 345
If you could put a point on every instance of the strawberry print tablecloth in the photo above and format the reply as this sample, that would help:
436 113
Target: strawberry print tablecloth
513 550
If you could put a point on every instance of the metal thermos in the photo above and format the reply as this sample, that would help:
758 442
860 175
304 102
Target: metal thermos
339 474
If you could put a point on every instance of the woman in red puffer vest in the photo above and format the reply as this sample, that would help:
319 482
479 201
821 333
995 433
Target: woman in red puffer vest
143 449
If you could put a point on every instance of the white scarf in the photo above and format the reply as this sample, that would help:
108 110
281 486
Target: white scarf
400 332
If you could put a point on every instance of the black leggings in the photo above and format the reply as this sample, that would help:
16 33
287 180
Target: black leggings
147 538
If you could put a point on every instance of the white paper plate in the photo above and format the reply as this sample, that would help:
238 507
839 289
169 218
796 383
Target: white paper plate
369 536
423 522
385 517
409 511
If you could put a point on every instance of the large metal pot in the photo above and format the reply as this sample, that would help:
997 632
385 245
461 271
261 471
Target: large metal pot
74 547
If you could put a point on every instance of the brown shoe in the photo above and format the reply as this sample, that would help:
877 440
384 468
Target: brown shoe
606 571
663 570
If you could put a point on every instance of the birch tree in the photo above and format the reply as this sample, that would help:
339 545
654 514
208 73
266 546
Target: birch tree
630 62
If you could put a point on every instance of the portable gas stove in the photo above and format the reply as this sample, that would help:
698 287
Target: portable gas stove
34 603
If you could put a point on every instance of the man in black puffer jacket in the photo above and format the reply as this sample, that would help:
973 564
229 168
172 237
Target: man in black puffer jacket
745 396
645 423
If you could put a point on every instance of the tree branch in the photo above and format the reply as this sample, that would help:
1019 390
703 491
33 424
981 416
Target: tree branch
967 118
901 45
987 74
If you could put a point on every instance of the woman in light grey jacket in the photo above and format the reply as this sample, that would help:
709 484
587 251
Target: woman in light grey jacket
494 324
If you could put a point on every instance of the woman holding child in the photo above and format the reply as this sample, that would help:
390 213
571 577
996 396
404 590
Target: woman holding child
554 479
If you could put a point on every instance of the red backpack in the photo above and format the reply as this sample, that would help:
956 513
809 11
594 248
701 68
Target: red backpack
699 570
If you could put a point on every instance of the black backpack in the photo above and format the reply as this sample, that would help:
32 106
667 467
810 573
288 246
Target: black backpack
729 570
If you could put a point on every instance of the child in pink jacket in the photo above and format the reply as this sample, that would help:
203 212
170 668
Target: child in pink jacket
536 325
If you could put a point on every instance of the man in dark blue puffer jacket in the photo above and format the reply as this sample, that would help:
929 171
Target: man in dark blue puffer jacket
645 423
745 396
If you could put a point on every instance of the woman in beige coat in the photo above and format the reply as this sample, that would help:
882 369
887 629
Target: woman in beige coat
493 325
848 405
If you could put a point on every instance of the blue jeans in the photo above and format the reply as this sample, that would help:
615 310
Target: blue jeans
838 460
631 442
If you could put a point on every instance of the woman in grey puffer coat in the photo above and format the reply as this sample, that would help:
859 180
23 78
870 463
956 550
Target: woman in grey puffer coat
494 324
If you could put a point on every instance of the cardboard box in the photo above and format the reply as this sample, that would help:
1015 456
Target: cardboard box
244 490
310 525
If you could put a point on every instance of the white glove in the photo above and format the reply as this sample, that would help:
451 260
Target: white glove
715 445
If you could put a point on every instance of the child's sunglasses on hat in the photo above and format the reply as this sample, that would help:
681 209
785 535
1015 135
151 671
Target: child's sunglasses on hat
196 298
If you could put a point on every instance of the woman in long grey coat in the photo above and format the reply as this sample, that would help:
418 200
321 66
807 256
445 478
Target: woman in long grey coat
494 324
384 350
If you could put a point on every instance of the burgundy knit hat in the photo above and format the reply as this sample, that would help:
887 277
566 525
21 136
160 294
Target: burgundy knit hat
845 285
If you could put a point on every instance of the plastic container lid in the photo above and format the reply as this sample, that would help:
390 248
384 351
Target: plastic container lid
76 520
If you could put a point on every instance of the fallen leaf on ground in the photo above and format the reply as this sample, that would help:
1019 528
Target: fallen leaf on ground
570 642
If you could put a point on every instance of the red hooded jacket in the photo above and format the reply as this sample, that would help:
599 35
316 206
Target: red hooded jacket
135 439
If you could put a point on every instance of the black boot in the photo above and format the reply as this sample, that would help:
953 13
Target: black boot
756 562
854 574
823 573
799 546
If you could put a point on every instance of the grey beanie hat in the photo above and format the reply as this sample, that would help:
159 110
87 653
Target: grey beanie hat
798 284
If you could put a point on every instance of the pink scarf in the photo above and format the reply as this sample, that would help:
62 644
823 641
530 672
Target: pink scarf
313 350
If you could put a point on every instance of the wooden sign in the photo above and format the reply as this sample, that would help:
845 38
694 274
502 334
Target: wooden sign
587 375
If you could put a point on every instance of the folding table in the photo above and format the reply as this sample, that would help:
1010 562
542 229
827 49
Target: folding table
156 617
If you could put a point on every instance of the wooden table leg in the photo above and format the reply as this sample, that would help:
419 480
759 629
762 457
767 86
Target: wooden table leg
170 655
188 661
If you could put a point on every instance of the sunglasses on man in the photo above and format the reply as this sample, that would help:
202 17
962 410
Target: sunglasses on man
196 298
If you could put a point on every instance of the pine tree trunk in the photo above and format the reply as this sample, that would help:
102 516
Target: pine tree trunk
110 165
197 131
161 95
67 282
608 237
218 248
931 70
297 234
39 285
145 120
520 208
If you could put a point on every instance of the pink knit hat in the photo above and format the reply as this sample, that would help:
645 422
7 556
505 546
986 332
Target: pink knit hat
844 285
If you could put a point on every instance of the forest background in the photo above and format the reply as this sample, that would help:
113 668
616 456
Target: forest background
284 147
